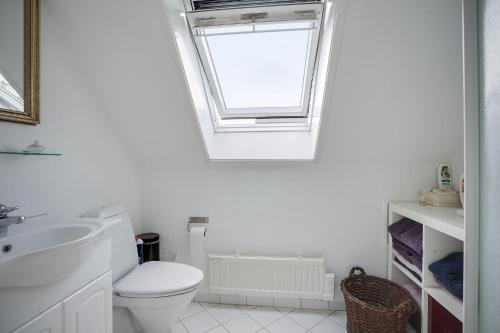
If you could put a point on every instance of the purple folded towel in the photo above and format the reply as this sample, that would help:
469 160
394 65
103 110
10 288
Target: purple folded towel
415 274
409 233
411 256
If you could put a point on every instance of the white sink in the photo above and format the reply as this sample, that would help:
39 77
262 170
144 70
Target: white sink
44 250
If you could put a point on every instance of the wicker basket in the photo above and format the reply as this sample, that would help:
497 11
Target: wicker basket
375 305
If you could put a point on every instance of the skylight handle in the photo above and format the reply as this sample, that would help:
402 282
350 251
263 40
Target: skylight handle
253 16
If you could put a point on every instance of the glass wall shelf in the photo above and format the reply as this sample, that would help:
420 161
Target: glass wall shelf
25 152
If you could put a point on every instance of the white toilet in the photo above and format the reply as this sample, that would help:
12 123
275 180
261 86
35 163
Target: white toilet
153 294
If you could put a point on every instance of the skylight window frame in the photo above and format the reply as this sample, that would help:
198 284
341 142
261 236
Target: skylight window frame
277 14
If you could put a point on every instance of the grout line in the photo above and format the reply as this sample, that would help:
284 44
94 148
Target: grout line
243 312
262 326
322 320
182 324
208 312
252 318
221 325
296 322
203 305
282 315
307 329
194 314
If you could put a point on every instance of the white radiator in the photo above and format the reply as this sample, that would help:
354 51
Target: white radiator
289 277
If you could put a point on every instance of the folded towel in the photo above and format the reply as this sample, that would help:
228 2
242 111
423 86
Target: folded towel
449 273
409 233
406 263
449 291
415 291
415 274
407 253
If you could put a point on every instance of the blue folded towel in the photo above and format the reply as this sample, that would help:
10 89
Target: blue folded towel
449 273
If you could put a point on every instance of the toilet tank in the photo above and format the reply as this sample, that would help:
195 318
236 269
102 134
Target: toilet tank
123 248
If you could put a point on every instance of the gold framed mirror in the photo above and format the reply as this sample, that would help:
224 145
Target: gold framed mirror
20 61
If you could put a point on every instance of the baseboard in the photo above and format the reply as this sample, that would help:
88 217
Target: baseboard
270 301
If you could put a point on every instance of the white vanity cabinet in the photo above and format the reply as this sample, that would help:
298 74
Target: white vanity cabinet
87 310
90 308
48 322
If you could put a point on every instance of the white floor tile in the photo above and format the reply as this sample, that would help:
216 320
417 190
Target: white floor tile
200 322
242 324
218 329
192 309
328 326
325 313
178 328
306 318
264 315
339 317
285 325
285 310
224 312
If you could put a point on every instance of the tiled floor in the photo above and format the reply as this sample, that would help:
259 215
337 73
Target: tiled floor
223 318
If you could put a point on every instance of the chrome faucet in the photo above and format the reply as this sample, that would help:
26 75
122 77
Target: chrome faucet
5 220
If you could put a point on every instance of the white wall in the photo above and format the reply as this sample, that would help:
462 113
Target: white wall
96 167
394 114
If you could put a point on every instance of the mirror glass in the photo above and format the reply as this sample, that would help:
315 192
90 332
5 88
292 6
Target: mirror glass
12 55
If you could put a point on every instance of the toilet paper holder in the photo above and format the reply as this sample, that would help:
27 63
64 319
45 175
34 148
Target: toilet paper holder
197 221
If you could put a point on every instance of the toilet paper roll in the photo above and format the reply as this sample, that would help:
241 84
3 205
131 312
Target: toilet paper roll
197 237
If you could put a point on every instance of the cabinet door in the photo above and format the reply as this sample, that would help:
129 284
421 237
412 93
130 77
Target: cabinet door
90 309
48 322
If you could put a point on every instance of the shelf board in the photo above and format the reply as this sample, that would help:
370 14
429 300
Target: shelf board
442 219
28 153
407 273
450 303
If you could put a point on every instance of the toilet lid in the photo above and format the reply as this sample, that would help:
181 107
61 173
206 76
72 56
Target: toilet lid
158 278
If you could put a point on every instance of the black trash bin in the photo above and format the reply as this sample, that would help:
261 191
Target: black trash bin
151 246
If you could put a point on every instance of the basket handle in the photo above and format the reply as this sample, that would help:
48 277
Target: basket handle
357 268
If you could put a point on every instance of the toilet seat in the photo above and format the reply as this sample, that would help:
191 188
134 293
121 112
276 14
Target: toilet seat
158 279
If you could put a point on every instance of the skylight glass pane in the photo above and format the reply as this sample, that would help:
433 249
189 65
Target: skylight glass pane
260 69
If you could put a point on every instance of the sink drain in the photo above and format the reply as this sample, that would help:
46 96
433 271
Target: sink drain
6 248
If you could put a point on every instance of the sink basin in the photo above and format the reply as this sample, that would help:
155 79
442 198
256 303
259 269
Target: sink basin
44 250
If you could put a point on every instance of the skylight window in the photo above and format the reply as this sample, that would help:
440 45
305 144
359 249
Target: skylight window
259 62
258 72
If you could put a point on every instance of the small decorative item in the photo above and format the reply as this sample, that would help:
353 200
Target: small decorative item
35 147
461 190
444 177
422 201
442 198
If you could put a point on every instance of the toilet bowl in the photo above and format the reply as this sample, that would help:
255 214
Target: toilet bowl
147 297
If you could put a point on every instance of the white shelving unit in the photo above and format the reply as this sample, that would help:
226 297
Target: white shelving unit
443 233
